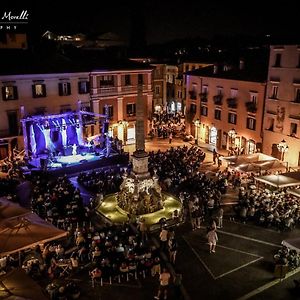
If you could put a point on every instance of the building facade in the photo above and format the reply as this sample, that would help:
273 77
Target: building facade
38 94
282 111
119 90
225 108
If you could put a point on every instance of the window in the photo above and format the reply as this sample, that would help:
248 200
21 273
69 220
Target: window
232 118
233 93
253 98
130 109
110 109
274 94
293 129
38 90
193 108
204 111
13 127
140 79
270 124
219 90
179 94
297 95
127 79
251 123
106 80
205 89
9 92
277 60
83 87
157 90
64 88
217 114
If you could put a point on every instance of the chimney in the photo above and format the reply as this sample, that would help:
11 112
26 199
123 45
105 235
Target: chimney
215 69
242 64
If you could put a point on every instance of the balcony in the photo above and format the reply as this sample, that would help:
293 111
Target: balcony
232 102
193 95
218 99
203 97
251 107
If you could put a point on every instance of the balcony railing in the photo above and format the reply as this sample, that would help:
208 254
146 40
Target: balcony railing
251 107
232 102
218 99
193 95
203 97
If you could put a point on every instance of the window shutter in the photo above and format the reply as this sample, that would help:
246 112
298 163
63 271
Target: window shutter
69 88
44 90
60 89
16 96
33 91
3 94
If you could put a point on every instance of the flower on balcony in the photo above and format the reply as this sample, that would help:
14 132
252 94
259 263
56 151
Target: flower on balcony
251 107
232 102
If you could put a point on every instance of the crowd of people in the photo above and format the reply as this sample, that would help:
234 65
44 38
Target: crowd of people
277 209
164 125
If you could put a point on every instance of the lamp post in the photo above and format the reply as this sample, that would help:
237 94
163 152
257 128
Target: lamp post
232 135
282 148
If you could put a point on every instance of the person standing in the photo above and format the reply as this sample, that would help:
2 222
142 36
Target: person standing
170 138
220 217
163 236
212 238
164 279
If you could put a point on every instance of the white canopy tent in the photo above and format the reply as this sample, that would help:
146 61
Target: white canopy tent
253 162
281 180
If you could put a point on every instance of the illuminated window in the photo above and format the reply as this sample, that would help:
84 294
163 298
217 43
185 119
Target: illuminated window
9 92
233 93
38 90
251 123
83 87
130 109
232 118
110 109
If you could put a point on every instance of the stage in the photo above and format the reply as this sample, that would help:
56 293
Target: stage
60 165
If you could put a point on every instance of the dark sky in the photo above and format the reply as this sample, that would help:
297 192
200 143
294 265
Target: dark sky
166 20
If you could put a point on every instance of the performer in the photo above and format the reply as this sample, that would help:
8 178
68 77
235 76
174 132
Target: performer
74 151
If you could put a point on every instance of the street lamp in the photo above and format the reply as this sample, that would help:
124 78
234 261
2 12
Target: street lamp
282 148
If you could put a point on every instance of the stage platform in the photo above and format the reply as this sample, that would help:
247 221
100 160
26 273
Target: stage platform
60 165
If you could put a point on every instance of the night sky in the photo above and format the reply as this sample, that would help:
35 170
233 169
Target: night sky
166 20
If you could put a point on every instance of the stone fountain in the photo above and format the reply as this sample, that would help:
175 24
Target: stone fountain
140 193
